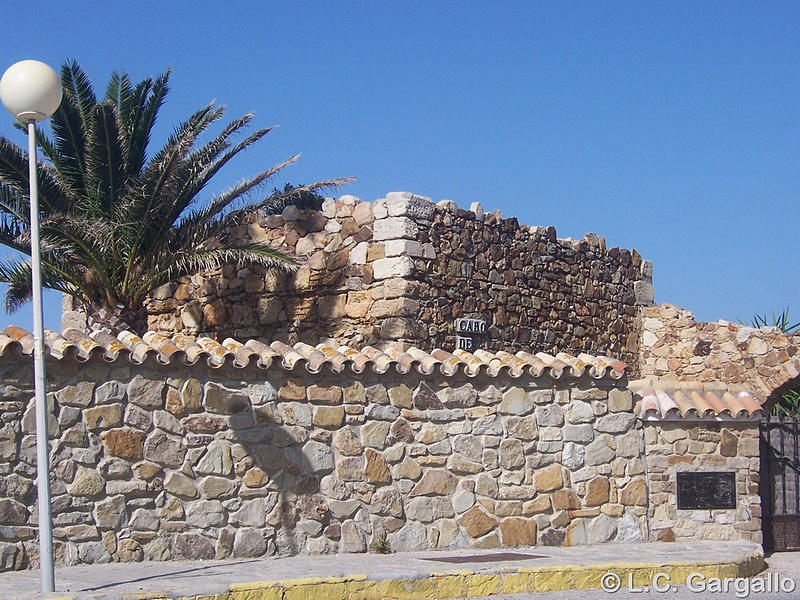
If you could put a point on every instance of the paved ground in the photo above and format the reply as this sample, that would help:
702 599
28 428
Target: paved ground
410 575
785 565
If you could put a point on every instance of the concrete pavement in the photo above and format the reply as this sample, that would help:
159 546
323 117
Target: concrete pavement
419 575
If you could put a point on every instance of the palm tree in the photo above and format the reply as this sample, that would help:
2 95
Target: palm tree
117 223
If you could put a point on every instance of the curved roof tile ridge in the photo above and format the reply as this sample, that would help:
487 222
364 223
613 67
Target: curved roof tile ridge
381 362
165 346
183 349
216 353
650 406
536 365
449 363
404 362
696 400
112 346
265 354
358 360
338 361
9 346
192 350
21 337
86 346
290 358
139 349
427 362
243 355
315 359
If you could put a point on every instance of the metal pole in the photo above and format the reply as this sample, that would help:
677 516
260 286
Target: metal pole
39 380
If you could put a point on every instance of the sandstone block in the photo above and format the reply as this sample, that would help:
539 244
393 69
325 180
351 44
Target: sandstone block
352 540
580 412
317 457
461 465
406 204
549 478
572 455
517 532
435 482
78 395
374 434
147 393
350 468
512 454
180 485
515 402
598 453
564 499
248 543
87 482
615 422
223 401
476 523
376 470
328 417
292 389
551 415
601 529
408 469
358 303
193 546
597 491
403 248
124 443
111 513
578 433
728 444
387 268
635 493
206 513
620 400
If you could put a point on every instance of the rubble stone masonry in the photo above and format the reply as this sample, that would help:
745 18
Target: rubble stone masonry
402 269
681 446
154 462
675 346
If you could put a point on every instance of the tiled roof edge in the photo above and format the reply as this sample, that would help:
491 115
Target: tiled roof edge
73 344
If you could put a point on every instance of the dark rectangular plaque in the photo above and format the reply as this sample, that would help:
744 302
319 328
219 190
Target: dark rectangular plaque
706 489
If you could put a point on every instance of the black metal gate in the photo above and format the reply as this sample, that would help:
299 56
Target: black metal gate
780 482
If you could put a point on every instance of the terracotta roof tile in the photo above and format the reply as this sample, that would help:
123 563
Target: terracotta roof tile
75 345
670 400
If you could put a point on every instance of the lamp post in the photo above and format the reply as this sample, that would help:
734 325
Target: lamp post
31 91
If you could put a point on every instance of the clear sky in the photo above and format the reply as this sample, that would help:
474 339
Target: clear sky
669 127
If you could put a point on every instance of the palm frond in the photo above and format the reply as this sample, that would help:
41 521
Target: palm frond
77 86
106 160
115 222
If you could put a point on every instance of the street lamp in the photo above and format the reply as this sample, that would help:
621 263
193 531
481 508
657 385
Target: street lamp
31 92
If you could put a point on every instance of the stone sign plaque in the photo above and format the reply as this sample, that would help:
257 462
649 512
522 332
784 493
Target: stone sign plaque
465 343
465 329
706 490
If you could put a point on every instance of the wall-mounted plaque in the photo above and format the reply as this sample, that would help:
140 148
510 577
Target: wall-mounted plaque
706 489
465 343
470 327
465 328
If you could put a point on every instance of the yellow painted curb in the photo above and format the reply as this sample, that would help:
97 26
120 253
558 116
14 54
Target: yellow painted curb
464 584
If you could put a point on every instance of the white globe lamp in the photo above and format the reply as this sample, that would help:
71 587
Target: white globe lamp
31 92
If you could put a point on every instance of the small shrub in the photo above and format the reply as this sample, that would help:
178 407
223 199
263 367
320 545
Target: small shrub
381 544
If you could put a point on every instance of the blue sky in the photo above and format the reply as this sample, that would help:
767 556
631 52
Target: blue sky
669 127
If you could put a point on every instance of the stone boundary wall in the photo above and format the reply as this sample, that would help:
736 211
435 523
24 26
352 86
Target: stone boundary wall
157 462
702 446
402 269
675 346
